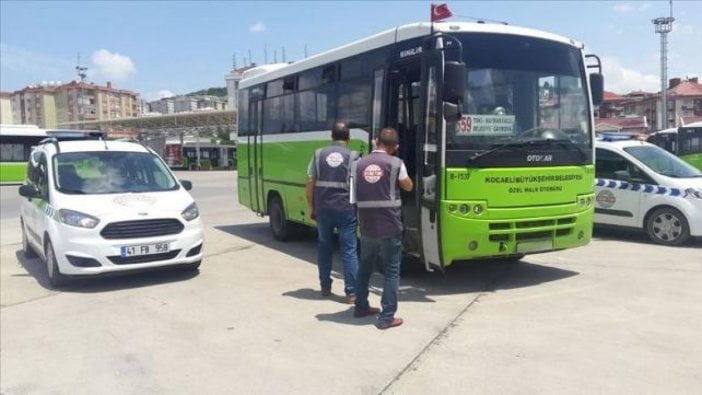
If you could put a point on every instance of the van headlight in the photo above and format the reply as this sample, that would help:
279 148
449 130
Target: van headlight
76 218
190 213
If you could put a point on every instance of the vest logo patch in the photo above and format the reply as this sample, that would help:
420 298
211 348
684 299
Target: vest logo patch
372 174
334 159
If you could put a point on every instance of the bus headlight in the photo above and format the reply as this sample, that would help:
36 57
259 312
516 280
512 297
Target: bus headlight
452 207
464 209
76 218
190 213
477 209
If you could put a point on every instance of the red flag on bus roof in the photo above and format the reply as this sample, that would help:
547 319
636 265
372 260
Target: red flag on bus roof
439 12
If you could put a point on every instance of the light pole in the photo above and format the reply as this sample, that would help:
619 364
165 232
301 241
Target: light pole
82 73
664 25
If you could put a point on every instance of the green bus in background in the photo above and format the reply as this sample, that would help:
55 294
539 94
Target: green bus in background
495 124
16 142
685 142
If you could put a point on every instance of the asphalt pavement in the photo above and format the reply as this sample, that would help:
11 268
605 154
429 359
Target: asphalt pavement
620 315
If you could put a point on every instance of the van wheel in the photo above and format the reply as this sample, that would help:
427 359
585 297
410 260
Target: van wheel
56 279
280 227
27 249
668 226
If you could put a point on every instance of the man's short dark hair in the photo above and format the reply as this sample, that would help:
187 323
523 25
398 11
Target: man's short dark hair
340 131
388 137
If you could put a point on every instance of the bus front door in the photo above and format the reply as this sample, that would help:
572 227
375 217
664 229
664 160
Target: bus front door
430 165
256 158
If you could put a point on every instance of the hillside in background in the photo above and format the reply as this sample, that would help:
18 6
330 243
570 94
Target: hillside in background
221 92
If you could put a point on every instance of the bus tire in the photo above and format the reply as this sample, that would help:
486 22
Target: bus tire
667 226
27 249
56 278
281 228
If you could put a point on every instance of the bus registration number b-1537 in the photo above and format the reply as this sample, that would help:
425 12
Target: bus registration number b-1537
145 249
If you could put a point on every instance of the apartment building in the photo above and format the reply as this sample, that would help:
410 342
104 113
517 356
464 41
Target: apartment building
6 116
49 103
78 101
684 104
36 105
187 103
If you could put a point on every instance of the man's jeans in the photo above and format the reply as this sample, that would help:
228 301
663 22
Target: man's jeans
388 251
345 222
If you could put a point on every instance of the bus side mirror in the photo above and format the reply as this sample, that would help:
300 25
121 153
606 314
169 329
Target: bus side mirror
597 88
454 82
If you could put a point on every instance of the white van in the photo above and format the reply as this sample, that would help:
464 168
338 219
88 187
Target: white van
95 206
640 185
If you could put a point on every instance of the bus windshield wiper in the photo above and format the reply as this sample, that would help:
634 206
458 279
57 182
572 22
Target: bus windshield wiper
565 143
527 143
510 144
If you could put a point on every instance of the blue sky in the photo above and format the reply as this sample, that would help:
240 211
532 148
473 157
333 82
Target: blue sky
158 47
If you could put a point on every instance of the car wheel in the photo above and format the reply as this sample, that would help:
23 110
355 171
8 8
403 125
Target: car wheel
27 249
668 226
56 279
280 227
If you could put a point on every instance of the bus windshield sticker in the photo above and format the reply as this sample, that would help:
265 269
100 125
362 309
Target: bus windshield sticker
485 125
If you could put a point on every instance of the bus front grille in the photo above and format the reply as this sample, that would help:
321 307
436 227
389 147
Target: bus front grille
531 229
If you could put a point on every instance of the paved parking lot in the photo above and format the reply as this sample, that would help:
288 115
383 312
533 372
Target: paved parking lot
618 316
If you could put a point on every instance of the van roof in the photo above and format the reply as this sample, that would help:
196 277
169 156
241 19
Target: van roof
98 145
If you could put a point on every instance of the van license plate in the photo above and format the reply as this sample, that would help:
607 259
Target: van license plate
146 249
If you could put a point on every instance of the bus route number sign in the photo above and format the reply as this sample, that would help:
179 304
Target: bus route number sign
485 125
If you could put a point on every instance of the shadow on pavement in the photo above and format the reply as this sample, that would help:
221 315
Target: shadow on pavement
635 236
105 283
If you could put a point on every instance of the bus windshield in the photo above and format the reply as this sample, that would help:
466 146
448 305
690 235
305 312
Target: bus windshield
111 172
521 89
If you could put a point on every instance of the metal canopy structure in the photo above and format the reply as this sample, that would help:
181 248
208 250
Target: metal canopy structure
179 121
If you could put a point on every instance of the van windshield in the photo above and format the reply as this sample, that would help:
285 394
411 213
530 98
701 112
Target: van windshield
663 162
111 172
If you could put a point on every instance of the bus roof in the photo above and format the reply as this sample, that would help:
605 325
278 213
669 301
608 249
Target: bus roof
266 73
665 131
22 130
697 124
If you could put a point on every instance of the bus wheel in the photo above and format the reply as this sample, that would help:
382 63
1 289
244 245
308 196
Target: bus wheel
668 226
56 279
280 227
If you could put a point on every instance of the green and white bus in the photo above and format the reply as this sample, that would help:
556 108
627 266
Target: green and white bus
685 142
16 142
495 124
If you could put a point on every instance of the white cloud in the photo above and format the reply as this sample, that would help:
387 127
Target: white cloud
165 93
112 66
257 27
621 80
627 8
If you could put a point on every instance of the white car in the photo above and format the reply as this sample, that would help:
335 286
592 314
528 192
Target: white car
95 206
640 185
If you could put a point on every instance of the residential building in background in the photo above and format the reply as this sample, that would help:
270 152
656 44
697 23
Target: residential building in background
6 113
643 110
49 103
187 103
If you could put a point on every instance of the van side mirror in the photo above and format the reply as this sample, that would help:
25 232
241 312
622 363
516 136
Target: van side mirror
454 82
597 88
29 191
186 184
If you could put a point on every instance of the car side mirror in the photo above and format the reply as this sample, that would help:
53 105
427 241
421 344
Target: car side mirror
186 184
623 175
29 191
